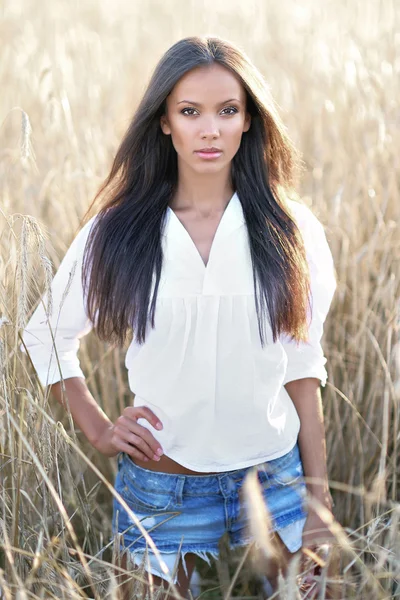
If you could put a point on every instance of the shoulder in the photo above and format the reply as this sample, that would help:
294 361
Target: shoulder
84 232
86 227
78 243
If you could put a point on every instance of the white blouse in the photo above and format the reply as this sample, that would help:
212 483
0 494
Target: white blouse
202 370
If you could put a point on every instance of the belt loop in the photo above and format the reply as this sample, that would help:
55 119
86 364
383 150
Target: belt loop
178 492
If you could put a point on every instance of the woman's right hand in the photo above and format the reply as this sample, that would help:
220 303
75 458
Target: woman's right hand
126 435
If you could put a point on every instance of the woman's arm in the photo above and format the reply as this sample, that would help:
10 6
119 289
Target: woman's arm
85 411
306 396
53 333
52 339
126 435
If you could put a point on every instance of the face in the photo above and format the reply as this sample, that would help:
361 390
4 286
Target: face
206 108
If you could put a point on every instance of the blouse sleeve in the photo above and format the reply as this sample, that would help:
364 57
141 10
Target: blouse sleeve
67 323
306 359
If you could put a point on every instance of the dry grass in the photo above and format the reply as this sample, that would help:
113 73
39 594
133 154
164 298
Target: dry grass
67 74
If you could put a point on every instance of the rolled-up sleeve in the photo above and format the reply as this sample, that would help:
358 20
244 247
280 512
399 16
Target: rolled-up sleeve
306 359
53 340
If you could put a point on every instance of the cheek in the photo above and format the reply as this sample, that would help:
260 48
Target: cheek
182 136
233 134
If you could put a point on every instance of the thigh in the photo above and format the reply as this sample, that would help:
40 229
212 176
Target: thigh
280 562
158 514
187 524
282 486
133 581
284 490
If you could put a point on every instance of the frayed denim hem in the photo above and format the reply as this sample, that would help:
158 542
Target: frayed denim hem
166 564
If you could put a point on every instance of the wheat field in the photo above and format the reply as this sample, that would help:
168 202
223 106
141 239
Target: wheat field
71 75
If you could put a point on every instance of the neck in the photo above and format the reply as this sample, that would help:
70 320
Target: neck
202 193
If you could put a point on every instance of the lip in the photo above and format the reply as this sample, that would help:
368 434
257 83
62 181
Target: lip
209 149
208 153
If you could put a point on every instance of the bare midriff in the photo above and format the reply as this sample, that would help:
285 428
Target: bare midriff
167 465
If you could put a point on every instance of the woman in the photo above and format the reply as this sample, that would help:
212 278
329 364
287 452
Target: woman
225 283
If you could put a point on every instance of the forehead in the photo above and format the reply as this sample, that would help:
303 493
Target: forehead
208 83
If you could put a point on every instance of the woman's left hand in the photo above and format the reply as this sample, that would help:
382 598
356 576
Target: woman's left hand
316 534
316 531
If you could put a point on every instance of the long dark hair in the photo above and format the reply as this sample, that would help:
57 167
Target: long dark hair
123 252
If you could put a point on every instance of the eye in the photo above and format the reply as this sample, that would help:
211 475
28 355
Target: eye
231 108
183 111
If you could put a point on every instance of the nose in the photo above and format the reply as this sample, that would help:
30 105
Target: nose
210 129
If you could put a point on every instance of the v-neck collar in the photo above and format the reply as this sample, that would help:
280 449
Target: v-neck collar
231 219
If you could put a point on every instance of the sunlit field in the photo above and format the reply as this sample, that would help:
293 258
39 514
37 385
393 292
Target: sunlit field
71 74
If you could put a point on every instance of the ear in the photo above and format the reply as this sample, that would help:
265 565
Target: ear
247 122
165 125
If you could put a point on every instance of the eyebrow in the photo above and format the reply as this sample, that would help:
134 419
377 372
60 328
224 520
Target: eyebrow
198 103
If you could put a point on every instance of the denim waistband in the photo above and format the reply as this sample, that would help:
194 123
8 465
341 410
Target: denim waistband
199 484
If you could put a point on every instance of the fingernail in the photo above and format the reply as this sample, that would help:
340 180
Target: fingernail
160 451
159 425
156 457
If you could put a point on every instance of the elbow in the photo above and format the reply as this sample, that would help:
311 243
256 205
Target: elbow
302 386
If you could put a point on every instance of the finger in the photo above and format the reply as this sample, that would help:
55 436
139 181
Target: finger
133 427
149 438
122 434
140 444
132 451
135 412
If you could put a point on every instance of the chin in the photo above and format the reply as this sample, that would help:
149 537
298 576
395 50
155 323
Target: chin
210 165
208 169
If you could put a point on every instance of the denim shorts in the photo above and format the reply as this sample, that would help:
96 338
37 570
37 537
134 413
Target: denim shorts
189 513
